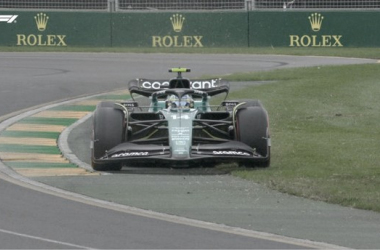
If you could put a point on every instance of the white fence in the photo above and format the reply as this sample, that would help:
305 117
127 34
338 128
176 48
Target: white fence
192 5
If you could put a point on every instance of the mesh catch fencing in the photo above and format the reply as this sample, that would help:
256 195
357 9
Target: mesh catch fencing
56 4
191 5
315 4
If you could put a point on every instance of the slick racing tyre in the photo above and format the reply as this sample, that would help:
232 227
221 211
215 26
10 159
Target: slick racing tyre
108 130
252 128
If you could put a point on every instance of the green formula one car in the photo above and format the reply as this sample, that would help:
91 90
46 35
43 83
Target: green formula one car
178 127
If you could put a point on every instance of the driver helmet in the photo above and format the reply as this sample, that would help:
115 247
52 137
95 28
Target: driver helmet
186 102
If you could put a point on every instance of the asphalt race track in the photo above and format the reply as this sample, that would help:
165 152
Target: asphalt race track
33 217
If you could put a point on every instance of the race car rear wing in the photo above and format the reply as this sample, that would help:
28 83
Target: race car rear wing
150 92
165 84
147 87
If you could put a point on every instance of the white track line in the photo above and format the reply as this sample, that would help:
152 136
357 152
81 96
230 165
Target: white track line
43 239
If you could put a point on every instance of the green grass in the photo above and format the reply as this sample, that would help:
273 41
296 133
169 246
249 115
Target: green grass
325 133
343 52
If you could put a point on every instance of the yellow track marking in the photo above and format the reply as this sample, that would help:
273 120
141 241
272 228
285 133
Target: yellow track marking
28 141
40 172
61 114
29 157
36 128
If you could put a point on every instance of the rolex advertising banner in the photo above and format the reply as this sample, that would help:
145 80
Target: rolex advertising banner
54 29
327 29
180 30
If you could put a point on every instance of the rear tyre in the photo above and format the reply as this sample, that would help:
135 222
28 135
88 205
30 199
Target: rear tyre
252 128
108 130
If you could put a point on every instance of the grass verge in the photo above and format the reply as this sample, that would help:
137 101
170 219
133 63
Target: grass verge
342 52
325 132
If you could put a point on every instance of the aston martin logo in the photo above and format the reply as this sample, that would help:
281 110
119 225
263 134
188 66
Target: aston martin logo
41 21
316 21
177 22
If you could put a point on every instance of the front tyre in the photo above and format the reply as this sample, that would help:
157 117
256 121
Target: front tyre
108 130
252 128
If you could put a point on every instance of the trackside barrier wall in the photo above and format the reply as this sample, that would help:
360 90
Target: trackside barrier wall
191 29
314 29
55 29
180 30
